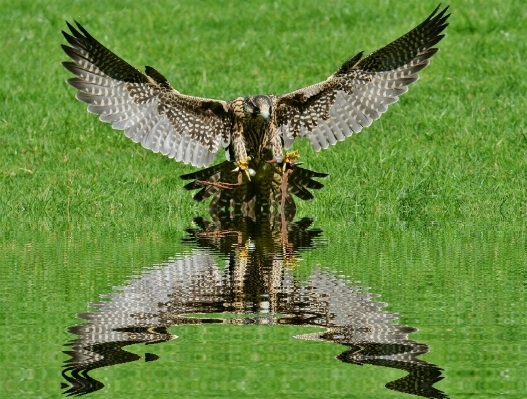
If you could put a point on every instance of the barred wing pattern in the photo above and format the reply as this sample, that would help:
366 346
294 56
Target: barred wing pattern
360 91
188 129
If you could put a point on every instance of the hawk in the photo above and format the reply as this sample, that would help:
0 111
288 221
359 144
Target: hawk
252 129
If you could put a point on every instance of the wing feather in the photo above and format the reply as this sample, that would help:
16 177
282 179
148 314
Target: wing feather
186 128
361 90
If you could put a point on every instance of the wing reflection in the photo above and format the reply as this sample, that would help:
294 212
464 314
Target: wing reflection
258 282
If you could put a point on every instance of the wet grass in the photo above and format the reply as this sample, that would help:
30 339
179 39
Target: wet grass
453 148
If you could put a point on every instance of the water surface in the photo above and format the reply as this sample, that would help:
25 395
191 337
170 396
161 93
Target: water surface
266 307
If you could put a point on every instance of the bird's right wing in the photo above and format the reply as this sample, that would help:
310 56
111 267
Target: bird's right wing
186 128
360 91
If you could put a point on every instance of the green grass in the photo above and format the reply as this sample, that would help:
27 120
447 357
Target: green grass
454 147
82 208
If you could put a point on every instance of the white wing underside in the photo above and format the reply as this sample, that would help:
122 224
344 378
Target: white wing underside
141 122
351 112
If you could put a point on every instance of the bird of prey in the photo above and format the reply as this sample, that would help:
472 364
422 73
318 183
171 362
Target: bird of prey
253 130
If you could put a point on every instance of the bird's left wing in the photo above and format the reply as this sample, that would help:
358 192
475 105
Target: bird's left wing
145 105
361 89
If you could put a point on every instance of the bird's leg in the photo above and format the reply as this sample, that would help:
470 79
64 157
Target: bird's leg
276 148
240 153
241 161
286 161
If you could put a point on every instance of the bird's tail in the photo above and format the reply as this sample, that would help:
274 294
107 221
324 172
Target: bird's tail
300 181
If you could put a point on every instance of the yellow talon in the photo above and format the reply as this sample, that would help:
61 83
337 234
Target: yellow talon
289 158
244 166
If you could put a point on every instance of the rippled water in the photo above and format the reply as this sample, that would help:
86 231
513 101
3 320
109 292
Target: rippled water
266 307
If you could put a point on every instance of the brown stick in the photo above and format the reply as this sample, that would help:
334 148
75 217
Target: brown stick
228 186
285 178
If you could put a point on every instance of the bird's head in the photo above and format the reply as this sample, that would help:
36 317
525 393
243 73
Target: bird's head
258 107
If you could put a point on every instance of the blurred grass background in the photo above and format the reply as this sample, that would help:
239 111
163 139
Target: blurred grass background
453 148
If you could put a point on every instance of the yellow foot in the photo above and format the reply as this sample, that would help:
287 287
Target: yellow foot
289 159
243 166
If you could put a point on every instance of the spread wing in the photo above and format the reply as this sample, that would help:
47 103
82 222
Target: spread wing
361 89
188 129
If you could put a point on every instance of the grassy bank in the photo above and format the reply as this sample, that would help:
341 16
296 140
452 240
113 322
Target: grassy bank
454 147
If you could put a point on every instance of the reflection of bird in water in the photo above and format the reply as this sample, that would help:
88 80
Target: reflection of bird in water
252 129
257 282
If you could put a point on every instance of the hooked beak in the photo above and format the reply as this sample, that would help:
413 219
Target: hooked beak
265 114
